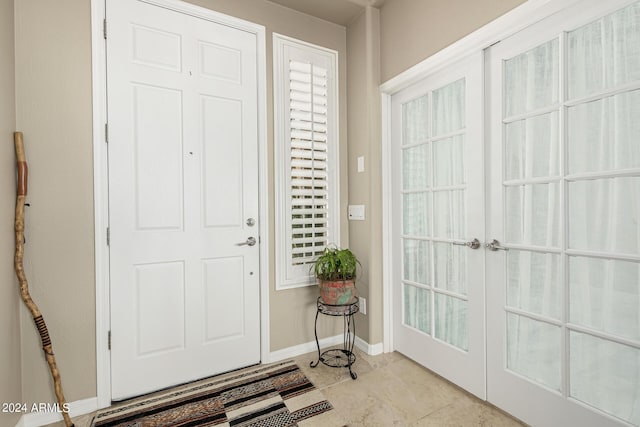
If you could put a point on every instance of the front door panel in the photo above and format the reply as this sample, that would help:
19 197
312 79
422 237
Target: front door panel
183 180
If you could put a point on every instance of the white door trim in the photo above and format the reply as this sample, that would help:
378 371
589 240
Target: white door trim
100 179
510 23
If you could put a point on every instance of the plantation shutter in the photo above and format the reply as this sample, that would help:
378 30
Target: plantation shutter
309 161
306 160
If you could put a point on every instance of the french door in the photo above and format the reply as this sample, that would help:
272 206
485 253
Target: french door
559 316
564 206
438 194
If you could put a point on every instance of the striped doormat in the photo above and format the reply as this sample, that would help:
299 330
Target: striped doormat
272 395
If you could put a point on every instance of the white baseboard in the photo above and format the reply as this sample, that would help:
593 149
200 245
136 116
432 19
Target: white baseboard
77 408
297 350
370 349
309 347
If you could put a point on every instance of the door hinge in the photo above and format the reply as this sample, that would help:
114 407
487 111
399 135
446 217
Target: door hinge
104 28
106 133
109 340
108 236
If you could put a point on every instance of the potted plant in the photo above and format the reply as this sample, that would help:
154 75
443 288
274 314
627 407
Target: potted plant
335 270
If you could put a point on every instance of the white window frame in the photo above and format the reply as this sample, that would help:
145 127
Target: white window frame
286 49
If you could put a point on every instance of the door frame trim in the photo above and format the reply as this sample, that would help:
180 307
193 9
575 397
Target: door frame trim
101 184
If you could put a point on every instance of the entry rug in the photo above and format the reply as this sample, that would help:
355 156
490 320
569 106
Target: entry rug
272 395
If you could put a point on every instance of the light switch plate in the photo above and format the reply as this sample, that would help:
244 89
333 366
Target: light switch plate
356 212
361 164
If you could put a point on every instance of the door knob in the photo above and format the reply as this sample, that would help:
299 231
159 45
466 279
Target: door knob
474 244
494 245
250 242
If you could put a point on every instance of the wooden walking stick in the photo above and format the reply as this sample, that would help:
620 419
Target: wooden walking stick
22 278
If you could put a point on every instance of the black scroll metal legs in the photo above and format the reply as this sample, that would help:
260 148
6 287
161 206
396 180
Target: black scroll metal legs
338 357
349 341
315 331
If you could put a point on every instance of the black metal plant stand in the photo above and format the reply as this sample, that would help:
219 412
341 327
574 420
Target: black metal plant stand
339 357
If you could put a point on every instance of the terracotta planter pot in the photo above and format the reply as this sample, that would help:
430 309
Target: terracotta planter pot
339 292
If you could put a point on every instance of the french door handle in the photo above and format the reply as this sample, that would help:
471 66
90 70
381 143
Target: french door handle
494 245
250 242
474 244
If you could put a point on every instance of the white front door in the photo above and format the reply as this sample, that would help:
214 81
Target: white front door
438 211
183 194
563 304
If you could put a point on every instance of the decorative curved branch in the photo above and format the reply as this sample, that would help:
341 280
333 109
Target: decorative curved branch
22 278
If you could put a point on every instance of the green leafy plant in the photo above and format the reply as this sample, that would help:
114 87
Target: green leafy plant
336 264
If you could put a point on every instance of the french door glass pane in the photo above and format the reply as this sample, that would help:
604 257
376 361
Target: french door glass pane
533 283
531 147
449 214
451 320
449 108
605 295
605 53
433 155
531 79
417 308
448 161
603 215
416 214
603 212
415 121
534 350
533 214
416 261
450 267
605 375
416 174
603 134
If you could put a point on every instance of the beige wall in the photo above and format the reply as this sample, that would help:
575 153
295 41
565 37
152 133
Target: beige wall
53 90
413 30
10 383
53 98
363 71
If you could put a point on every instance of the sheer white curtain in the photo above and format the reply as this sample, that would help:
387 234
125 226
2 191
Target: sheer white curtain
532 196
416 206
449 122
603 212
433 162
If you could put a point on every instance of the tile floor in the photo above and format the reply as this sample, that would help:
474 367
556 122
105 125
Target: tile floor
391 390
